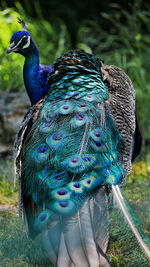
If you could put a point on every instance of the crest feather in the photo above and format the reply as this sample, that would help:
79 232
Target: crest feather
23 25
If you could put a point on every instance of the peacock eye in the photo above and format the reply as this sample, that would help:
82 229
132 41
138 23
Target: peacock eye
24 40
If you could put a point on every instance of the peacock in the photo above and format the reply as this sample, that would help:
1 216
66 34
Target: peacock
73 153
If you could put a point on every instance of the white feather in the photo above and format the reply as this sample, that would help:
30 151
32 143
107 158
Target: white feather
88 236
100 218
63 257
120 201
48 247
73 240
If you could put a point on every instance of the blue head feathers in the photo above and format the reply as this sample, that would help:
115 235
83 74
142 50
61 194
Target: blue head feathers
21 42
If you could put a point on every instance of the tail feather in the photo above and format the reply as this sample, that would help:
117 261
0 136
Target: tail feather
103 262
122 205
63 257
100 218
81 239
73 240
54 236
88 238
84 236
48 247
51 239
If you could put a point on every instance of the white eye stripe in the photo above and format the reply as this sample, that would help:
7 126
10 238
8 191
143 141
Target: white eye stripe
12 44
28 43
25 46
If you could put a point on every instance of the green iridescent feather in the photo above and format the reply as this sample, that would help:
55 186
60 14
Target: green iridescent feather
72 156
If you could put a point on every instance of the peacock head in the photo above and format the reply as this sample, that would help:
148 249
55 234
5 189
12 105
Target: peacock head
21 42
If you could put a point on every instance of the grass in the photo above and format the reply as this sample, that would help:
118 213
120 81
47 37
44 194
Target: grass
123 250
16 249
8 193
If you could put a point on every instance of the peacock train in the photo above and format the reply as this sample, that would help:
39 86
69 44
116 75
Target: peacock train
73 153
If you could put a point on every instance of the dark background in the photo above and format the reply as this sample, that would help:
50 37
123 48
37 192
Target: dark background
74 12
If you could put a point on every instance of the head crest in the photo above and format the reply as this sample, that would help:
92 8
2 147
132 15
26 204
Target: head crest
23 25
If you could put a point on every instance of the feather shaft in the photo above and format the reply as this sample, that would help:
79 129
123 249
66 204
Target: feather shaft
73 240
63 257
88 236
122 205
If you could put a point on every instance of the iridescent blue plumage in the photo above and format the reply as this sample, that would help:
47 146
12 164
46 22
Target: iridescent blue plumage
35 75
82 140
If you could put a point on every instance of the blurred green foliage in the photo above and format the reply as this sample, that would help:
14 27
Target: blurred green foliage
125 44
10 71
52 44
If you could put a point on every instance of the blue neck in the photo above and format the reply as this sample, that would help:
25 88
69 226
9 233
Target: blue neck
34 77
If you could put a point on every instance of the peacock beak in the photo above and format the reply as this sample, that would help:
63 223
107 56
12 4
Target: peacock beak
11 48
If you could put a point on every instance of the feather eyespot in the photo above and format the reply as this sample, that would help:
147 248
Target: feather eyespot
80 117
77 185
65 107
91 181
57 136
55 140
74 160
76 188
46 127
98 144
42 149
59 175
79 120
64 207
74 164
82 105
63 204
62 192
40 154
43 217
97 134
87 159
